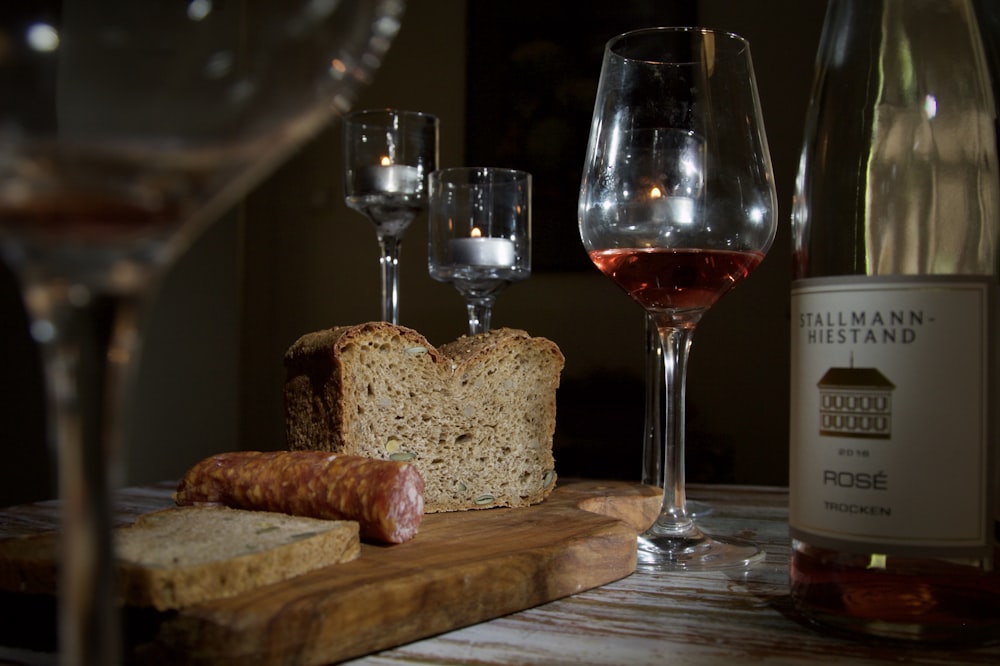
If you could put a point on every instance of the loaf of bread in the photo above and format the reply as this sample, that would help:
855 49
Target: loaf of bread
176 558
476 416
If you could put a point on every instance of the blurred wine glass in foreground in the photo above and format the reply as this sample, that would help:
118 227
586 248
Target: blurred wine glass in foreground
125 129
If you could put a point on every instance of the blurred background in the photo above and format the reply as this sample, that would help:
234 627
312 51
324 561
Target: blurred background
513 85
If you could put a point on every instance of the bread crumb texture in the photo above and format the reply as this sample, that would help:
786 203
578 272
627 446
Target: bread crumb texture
476 416
179 557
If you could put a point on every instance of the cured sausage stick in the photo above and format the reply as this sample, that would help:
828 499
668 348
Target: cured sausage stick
385 497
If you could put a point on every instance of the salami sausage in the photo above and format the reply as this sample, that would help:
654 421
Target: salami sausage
385 497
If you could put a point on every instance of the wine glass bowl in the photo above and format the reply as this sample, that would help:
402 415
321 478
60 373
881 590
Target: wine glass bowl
125 130
479 234
677 206
388 154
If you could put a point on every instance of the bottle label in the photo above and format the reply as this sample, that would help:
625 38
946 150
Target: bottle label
892 434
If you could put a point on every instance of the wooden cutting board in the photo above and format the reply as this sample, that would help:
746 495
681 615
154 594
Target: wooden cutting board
462 568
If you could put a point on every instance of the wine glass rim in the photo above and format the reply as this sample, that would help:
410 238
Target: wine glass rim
742 45
388 112
471 175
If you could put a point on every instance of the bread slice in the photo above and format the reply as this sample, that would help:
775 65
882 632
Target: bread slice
476 416
179 557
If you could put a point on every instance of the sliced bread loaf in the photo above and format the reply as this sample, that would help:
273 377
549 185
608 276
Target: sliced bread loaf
179 557
476 416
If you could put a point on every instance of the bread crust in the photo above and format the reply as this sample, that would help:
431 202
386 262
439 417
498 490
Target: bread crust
477 415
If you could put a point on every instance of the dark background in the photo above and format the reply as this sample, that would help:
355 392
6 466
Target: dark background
512 82
534 83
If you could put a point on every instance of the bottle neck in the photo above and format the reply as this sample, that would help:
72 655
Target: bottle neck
899 172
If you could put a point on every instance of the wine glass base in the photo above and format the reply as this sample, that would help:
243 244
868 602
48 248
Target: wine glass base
657 553
697 509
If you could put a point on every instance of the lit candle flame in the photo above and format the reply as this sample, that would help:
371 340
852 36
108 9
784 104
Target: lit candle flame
385 161
475 233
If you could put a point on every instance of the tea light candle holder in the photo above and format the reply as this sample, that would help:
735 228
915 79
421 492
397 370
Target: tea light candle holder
480 234
387 154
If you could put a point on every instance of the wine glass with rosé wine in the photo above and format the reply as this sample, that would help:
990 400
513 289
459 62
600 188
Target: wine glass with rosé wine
677 205
126 129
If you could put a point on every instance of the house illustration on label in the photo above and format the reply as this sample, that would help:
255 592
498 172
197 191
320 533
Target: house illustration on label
855 402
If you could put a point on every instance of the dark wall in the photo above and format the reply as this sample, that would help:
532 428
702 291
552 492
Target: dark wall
293 259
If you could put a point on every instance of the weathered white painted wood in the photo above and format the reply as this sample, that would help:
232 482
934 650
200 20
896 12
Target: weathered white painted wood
666 619
704 619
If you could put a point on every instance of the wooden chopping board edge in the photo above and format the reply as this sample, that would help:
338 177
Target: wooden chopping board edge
581 537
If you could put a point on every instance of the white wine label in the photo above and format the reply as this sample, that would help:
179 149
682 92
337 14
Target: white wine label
891 412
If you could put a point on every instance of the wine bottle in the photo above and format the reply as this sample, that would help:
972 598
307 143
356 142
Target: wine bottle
895 226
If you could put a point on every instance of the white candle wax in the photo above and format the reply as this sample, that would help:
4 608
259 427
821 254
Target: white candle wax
671 210
483 252
392 178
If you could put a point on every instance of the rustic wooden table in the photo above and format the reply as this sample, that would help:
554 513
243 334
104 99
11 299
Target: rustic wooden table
707 618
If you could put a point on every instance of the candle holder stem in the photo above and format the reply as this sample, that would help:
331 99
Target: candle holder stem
389 247
479 308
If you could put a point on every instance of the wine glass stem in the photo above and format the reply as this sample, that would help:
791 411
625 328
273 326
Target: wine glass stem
389 247
652 444
479 309
675 339
85 393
